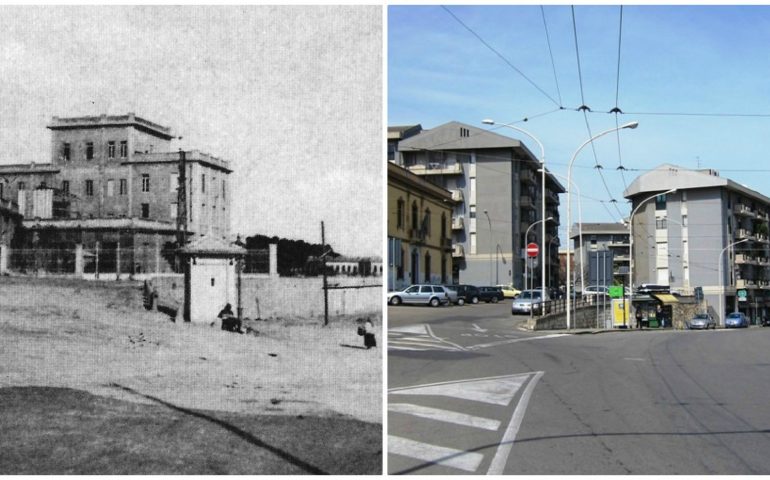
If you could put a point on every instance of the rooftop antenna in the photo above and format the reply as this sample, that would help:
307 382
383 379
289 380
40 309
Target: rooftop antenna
697 161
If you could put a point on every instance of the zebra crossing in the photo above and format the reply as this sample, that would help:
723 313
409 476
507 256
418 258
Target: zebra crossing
425 424
419 338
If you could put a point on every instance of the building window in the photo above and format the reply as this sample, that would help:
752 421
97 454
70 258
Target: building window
110 149
443 228
89 150
684 220
415 216
66 152
123 149
110 188
65 186
145 210
145 182
123 186
660 223
426 222
400 213
173 182
473 243
400 266
203 183
223 189
89 188
173 209
22 186
660 202
427 268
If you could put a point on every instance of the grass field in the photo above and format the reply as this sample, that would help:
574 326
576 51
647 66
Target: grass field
90 383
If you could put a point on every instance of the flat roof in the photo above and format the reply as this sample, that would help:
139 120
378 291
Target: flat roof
104 120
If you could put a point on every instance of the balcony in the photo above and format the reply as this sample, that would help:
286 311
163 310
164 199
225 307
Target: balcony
458 250
743 283
743 259
527 176
742 233
762 237
458 223
743 210
526 202
457 195
437 168
417 234
551 197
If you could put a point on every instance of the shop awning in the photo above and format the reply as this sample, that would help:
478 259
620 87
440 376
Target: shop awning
666 298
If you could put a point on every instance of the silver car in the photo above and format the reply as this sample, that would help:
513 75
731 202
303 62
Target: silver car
530 301
433 295
702 321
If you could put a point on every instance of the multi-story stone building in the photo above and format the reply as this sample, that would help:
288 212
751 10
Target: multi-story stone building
419 230
496 185
711 232
112 182
601 237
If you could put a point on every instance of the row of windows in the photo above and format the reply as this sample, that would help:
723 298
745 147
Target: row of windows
89 153
401 212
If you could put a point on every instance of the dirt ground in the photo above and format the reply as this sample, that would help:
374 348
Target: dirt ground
95 337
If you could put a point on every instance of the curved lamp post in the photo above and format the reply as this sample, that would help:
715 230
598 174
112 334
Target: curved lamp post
490 245
631 238
580 226
569 212
542 187
526 262
722 280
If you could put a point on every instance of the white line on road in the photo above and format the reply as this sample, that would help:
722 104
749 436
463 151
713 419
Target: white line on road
479 329
430 332
409 329
515 340
444 416
492 390
504 450
434 454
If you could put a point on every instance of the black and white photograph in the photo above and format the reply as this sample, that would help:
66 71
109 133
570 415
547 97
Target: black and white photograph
191 240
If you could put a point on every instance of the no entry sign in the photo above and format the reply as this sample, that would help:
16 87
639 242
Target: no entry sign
532 250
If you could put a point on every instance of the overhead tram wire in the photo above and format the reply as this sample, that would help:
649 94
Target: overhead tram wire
617 109
584 107
550 52
501 56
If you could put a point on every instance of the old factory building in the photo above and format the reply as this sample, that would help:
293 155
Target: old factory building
112 184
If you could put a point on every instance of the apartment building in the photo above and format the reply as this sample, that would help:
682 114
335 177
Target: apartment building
495 183
711 232
114 180
601 241
419 230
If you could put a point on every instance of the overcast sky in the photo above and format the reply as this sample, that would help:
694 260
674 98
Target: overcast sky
290 95
694 77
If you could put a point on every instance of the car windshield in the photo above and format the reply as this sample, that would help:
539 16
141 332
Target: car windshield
529 295
702 315
734 315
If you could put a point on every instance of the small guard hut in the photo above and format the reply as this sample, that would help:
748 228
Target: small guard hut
211 277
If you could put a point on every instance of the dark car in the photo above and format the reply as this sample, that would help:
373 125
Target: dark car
491 294
466 293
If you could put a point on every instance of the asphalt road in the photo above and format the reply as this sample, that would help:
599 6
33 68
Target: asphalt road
471 393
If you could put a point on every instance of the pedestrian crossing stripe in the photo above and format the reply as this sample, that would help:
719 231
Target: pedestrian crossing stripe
442 415
418 338
466 461
492 390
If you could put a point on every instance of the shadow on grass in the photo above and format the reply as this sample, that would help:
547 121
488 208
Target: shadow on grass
359 347
233 429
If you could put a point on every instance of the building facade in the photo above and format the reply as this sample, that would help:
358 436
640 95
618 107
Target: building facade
419 230
496 185
612 238
112 182
711 233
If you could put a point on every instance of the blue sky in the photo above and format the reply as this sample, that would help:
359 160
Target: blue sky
290 95
673 59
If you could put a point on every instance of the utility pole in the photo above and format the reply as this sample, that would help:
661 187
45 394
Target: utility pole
323 267
181 198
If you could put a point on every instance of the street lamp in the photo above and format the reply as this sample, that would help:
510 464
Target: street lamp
489 121
490 245
722 280
631 237
580 226
569 211
497 263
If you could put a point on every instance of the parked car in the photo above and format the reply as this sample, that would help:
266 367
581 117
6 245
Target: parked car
531 301
509 291
491 294
454 297
766 322
701 321
433 295
737 320
467 294
595 290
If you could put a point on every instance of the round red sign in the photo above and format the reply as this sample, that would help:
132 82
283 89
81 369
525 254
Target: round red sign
532 250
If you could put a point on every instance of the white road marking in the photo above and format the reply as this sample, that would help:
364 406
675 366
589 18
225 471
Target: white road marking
467 461
504 450
430 332
479 329
445 416
493 390
635 359
409 329
514 340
